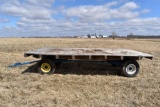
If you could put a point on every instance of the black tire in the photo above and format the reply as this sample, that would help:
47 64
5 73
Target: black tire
46 66
130 68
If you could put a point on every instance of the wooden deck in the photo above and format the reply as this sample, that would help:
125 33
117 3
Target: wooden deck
88 54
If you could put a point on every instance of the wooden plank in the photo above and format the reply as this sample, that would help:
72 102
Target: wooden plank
57 56
65 56
102 57
89 53
82 57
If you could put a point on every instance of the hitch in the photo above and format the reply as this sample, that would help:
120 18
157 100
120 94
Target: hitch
21 63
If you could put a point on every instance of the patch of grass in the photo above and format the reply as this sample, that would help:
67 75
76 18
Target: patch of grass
78 84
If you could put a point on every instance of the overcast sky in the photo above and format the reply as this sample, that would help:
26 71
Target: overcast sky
78 17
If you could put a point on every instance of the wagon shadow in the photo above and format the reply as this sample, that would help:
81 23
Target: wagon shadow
87 68
81 68
31 69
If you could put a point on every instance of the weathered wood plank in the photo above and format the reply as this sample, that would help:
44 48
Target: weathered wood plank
89 53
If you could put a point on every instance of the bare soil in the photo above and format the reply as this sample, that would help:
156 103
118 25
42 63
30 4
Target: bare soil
78 84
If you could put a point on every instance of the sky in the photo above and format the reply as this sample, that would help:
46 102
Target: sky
23 18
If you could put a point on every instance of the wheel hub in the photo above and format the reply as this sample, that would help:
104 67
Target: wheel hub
131 69
45 67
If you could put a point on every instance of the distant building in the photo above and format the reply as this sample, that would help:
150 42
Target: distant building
84 37
102 36
93 36
105 36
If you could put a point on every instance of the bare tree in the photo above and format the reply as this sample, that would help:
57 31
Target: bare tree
130 36
114 34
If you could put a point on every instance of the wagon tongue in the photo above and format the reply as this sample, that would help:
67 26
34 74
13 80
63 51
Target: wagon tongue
15 64
22 63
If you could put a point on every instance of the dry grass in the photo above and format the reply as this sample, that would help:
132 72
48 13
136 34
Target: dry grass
78 84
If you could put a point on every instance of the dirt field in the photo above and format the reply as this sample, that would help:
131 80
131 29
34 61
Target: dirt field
78 84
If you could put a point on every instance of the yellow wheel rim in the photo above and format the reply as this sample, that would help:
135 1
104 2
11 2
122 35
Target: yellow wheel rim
45 67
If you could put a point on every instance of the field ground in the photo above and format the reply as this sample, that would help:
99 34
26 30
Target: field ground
78 84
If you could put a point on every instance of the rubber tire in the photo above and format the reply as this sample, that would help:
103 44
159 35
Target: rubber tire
50 62
126 63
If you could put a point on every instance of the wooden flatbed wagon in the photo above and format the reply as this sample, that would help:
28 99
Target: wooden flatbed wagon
124 58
